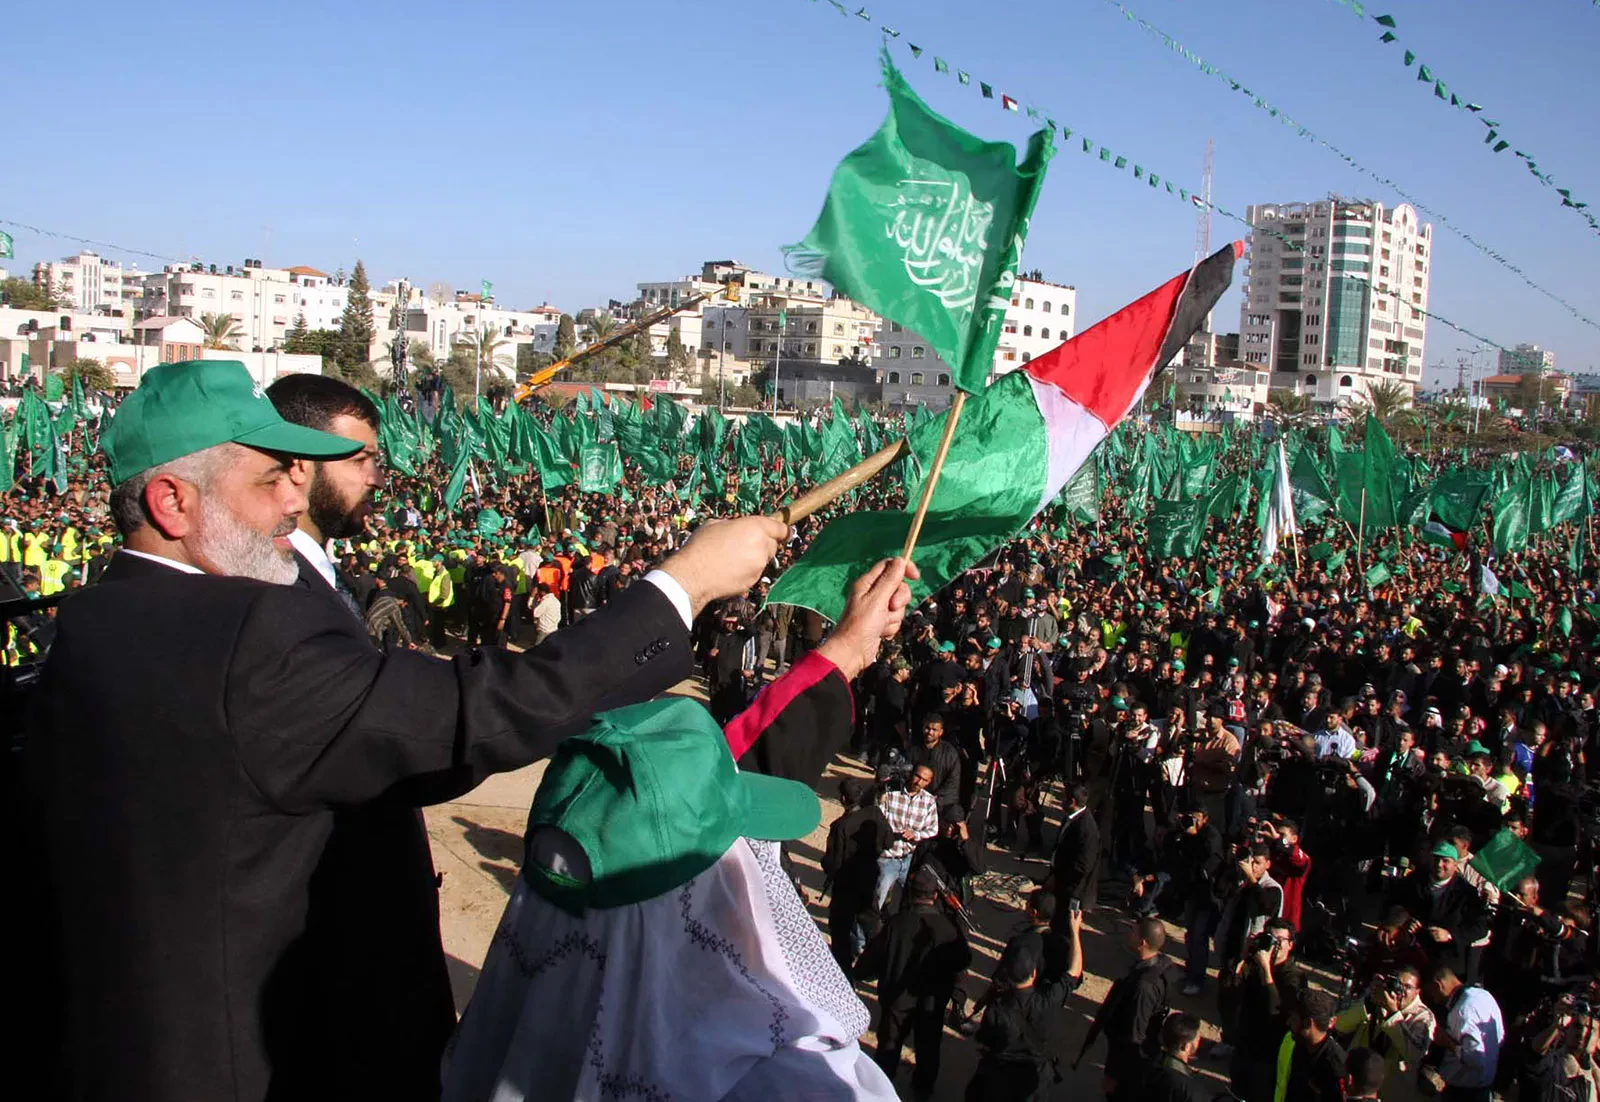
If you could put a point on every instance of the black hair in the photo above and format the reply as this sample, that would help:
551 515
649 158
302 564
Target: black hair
1366 1070
315 400
1178 1032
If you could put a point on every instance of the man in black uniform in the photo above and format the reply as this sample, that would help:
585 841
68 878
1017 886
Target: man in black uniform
1016 1035
918 958
850 863
1170 1078
1134 1009
942 757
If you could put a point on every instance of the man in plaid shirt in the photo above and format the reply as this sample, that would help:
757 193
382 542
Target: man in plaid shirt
913 816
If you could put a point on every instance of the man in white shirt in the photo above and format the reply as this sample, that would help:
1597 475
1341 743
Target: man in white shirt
1471 1029
546 614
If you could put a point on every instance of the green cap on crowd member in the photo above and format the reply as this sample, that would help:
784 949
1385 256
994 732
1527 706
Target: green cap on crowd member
1445 849
652 797
183 408
994 643
946 647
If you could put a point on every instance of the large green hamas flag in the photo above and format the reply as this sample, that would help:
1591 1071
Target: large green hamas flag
924 224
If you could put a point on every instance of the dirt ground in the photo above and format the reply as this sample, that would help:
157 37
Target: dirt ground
477 845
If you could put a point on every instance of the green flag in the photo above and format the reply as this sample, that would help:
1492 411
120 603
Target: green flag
1513 512
1377 574
1082 495
1176 528
924 224
599 469
7 246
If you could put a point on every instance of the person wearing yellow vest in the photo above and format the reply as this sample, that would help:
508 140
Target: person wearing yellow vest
53 576
33 550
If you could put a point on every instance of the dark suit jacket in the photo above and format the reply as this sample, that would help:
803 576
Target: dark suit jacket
190 743
1077 860
374 900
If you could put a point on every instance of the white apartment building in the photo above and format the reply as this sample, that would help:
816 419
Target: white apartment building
90 284
825 331
1334 294
1526 359
1042 315
263 302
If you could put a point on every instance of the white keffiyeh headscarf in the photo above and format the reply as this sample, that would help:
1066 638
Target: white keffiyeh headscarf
721 988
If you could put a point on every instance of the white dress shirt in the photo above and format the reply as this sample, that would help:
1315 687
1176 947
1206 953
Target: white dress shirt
315 554
163 560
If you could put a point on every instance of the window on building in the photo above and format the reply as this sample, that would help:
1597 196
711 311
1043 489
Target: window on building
838 328
1028 305
1047 306
838 350
1065 309
207 292
916 378
894 351
1346 381
1311 380
277 299
917 351
1016 302
894 378
894 327
944 380
1026 356
1027 330
1044 334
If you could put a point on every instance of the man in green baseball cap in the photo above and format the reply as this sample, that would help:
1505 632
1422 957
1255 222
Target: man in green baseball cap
221 724
199 461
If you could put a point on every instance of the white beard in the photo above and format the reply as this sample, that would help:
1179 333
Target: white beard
236 550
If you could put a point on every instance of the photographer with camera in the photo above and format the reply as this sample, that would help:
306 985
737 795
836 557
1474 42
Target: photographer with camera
1393 1021
1077 701
1267 982
1563 1063
1132 775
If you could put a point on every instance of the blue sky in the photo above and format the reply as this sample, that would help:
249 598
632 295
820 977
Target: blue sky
566 151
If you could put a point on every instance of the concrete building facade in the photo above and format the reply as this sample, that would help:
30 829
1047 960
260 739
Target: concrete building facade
1334 297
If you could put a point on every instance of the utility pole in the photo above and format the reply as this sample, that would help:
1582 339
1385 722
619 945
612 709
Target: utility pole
777 364
397 346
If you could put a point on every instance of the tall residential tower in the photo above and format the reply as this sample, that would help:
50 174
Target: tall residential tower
1334 295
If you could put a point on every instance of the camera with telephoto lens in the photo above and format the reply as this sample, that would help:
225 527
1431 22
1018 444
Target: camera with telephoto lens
1260 943
1393 986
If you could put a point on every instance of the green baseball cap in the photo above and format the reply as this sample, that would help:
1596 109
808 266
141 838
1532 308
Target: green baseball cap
183 408
652 796
1445 849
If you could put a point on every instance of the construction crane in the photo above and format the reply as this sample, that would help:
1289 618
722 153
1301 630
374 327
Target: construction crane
546 375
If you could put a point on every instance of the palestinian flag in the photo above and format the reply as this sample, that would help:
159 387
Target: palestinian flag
1018 443
1440 535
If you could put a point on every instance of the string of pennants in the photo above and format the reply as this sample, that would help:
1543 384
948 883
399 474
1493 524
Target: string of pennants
1261 103
87 241
1494 139
1123 162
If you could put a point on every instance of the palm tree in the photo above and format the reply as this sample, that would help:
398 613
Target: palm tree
222 331
1289 407
1389 403
598 328
483 345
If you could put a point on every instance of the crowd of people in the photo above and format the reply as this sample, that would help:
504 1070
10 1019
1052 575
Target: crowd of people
1365 805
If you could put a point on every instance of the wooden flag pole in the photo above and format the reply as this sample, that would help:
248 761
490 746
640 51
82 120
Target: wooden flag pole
819 496
933 474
